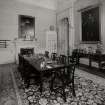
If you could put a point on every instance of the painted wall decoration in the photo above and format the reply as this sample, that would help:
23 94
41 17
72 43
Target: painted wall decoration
26 27
90 25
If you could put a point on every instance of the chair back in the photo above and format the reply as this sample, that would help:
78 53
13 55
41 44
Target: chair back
69 75
75 53
53 56
46 54
71 72
74 58
63 59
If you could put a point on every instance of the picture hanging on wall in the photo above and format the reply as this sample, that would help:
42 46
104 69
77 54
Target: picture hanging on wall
90 25
26 27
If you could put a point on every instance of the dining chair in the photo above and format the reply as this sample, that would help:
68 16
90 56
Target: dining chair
53 56
30 74
47 54
66 79
74 58
26 71
69 77
20 66
68 74
63 59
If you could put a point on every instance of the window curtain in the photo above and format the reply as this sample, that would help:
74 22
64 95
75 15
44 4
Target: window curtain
62 36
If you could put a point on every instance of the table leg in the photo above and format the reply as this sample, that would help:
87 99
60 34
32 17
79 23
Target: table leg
52 81
63 88
90 61
73 89
99 65
41 84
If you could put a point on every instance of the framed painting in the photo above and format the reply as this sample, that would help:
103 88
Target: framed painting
90 25
26 27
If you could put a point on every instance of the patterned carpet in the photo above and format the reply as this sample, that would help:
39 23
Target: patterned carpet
87 93
7 91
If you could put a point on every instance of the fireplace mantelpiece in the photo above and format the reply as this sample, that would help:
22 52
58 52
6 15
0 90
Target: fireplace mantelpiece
24 44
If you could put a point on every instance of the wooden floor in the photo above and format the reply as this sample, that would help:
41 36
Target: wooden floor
7 91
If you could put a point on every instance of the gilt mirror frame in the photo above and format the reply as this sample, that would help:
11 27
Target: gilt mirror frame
26 27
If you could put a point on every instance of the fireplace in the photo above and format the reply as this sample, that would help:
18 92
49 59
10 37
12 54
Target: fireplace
27 46
26 51
24 47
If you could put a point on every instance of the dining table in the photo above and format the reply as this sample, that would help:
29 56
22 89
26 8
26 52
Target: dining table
43 65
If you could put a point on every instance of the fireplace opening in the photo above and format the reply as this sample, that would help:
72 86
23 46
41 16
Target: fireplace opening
26 51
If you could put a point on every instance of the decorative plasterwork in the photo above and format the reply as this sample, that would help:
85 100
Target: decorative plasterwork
50 4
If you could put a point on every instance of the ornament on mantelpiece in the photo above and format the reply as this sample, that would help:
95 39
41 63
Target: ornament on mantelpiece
51 28
99 48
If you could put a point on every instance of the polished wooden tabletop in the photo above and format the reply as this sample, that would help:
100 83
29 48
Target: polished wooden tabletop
43 64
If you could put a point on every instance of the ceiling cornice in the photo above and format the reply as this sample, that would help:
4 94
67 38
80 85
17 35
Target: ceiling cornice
49 4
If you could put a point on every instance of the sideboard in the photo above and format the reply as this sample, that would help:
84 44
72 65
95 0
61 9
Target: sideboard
94 57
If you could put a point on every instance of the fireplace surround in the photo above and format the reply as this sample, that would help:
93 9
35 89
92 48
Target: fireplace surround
25 47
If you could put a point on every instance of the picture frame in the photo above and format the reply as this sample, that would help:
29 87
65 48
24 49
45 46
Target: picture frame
90 25
26 27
